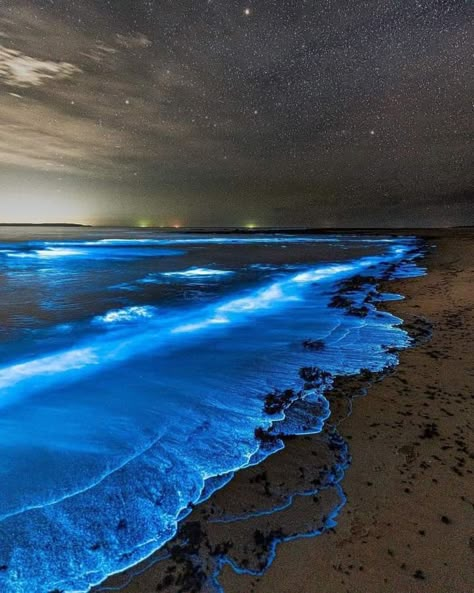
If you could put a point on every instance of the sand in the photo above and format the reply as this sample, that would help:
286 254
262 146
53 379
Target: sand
407 525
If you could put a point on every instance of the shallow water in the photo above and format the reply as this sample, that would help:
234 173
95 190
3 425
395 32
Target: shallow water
134 371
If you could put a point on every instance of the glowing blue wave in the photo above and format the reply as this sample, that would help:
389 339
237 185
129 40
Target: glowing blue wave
85 250
189 275
47 253
198 273
235 240
126 315
129 247
105 351
153 407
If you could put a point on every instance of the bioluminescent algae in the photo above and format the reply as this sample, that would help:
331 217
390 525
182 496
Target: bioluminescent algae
198 273
127 314
121 409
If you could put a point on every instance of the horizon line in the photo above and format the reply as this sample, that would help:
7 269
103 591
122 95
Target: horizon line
247 228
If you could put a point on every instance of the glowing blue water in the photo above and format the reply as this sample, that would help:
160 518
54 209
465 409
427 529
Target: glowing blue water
133 377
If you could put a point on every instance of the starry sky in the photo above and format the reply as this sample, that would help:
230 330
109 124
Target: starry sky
229 112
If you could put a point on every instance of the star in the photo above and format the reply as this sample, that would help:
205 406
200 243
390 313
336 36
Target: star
276 96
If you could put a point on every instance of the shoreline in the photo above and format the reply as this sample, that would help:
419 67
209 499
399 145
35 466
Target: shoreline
282 575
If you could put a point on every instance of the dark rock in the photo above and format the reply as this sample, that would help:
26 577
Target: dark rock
313 345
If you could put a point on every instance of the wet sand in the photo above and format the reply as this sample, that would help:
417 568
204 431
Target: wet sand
407 524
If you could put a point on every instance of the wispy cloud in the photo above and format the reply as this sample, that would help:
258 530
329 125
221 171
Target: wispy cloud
133 40
23 71
87 114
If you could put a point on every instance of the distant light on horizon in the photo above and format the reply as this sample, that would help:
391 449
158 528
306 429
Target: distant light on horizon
143 224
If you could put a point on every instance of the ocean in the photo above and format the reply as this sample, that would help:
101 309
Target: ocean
139 370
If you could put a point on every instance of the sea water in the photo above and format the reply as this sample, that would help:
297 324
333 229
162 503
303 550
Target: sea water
134 370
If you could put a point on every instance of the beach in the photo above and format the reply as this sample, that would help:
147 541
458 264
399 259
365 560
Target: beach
236 289
405 525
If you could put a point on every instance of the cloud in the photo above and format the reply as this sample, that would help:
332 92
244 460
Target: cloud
22 71
137 41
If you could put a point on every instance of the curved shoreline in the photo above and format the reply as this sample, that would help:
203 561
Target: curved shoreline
299 410
406 526
220 560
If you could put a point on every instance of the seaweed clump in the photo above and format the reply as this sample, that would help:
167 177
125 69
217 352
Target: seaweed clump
314 377
277 401
313 345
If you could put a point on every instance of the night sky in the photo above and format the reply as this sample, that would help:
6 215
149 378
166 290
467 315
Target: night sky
220 112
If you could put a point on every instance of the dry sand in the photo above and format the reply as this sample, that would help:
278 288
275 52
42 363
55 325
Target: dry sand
407 526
